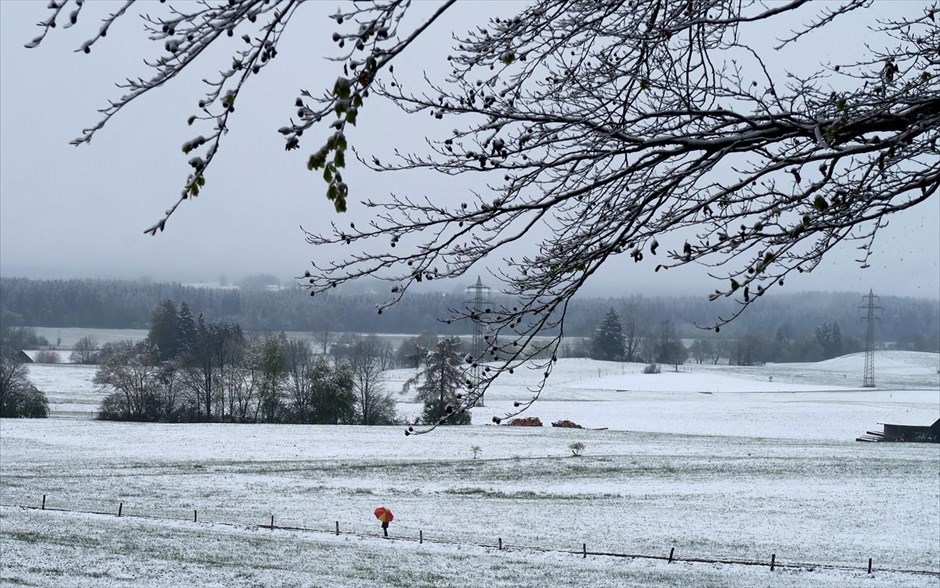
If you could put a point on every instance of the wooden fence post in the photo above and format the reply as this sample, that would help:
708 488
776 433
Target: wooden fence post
869 565
773 556
120 508
195 516
500 543
420 536
272 522
672 550
584 549
43 502
337 528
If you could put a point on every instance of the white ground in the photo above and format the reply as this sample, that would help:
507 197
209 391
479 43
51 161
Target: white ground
717 462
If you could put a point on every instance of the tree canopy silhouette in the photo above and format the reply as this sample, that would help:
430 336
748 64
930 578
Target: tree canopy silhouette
653 129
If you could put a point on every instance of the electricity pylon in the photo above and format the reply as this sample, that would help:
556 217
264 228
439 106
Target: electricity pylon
477 297
868 379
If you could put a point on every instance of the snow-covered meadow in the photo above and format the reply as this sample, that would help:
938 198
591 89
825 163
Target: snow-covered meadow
717 462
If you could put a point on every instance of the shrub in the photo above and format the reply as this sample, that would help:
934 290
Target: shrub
113 408
46 356
651 368
19 398
576 448
435 410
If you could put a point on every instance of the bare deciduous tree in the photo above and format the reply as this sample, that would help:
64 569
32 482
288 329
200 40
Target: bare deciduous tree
18 396
375 406
85 350
632 333
647 129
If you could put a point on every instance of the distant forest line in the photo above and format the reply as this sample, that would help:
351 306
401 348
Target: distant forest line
117 304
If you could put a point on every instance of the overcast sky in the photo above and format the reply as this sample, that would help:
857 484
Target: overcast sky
80 211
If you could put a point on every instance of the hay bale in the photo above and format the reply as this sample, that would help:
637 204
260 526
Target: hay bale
525 422
566 424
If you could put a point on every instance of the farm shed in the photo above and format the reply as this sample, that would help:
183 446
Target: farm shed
912 426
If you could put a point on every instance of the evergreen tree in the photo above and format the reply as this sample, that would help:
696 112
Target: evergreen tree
164 333
185 329
334 398
608 341
441 382
829 336
199 372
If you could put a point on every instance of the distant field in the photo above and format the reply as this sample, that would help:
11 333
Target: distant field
69 336
65 338
716 464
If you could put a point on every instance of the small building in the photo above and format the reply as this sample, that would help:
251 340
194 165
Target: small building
919 426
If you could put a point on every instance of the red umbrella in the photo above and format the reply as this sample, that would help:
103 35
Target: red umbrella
384 515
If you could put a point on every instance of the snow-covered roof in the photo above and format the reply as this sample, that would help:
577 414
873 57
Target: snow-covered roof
64 355
911 417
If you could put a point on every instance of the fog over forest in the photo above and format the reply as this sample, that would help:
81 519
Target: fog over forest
97 199
913 322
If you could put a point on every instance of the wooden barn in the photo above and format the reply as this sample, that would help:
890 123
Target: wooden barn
911 426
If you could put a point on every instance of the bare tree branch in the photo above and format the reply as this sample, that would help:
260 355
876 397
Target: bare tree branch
647 129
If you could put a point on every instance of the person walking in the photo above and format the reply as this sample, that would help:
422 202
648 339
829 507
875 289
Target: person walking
385 516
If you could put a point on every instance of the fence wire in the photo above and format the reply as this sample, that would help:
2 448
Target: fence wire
274 523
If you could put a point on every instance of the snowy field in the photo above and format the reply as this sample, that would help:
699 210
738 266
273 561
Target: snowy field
717 462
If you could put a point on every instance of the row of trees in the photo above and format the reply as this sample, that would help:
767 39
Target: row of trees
622 340
612 342
911 323
190 369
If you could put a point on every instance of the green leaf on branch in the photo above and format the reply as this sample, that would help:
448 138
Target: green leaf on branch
340 204
341 88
